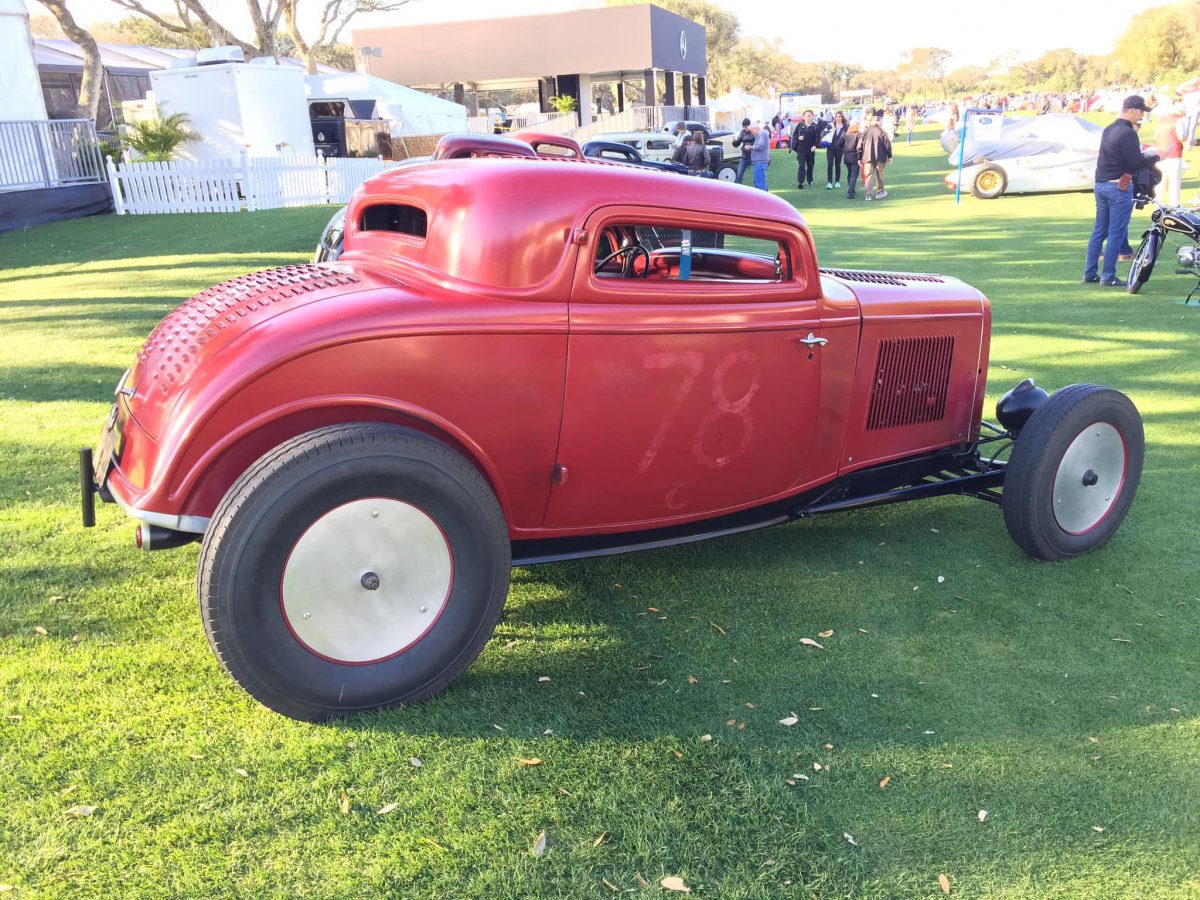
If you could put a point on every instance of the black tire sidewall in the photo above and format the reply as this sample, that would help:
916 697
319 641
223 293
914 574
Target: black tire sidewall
1028 502
1149 249
987 195
241 573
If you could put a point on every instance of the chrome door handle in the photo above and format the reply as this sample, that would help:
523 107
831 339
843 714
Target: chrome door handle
813 341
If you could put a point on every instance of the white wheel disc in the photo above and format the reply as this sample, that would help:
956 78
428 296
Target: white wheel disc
1089 478
366 580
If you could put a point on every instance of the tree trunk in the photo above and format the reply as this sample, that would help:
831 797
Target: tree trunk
93 67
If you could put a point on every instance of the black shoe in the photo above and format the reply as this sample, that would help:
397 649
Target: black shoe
1113 283
1091 279
799 187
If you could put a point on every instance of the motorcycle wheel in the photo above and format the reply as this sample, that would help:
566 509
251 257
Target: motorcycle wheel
1143 261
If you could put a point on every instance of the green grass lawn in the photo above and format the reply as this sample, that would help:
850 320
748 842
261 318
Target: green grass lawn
1060 698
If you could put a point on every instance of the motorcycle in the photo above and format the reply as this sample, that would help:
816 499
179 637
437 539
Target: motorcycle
1178 219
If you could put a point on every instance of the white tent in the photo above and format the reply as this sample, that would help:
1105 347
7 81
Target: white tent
410 112
729 109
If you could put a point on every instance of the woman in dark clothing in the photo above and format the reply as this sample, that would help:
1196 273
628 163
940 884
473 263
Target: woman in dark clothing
696 157
850 157
833 153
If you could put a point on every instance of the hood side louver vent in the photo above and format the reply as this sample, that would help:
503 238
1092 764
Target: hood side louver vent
912 378
896 279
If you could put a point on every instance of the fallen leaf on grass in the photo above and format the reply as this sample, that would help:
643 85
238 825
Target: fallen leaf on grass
706 737
828 746
850 839
637 876
600 840
982 815
731 722
886 781
825 634
510 645
344 804
1093 740
749 706
809 642
677 754
1123 640
863 631
692 679
941 579
543 678
947 765
242 772
1099 829
40 630
817 767
529 762
415 762
720 630
675 883
434 844
789 721
612 887
548 731
195 756
391 807
741 726
944 883
498 727
539 846
80 811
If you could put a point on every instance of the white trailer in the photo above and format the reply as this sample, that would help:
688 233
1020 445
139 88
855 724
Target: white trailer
261 110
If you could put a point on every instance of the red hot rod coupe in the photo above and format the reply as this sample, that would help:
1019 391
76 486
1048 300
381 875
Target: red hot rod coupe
519 360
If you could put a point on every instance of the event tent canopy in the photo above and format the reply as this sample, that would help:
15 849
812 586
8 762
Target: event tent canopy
410 112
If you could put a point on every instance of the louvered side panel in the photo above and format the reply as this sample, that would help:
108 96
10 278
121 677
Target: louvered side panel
912 379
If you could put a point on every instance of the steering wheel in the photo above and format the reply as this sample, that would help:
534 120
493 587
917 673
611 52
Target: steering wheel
630 252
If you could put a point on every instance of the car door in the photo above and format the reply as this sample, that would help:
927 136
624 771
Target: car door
693 370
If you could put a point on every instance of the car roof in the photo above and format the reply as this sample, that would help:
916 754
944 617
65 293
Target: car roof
507 222
632 136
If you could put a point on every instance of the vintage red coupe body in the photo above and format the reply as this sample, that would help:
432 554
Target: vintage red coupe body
519 360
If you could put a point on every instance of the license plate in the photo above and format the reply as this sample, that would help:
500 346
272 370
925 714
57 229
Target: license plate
108 446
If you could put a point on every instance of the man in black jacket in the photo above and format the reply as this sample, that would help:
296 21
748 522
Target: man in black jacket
1119 160
745 140
805 137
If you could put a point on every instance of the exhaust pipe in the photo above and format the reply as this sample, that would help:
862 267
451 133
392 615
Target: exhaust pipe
155 537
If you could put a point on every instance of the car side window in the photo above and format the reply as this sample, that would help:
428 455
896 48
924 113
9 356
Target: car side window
660 145
679 254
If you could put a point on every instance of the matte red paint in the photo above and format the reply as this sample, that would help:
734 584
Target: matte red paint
666 402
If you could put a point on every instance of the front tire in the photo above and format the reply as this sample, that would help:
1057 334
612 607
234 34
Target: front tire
727 172
990 182
1143 261
1074 472
353 568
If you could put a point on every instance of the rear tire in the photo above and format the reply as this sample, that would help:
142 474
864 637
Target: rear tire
1143 261
727 172
353 568
1074 472
990 182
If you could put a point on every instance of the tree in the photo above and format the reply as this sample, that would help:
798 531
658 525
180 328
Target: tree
139 30
335 16
192 14
46 28
93 67
1159 40
925 69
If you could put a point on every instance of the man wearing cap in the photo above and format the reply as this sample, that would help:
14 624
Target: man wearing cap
1119 160
745 140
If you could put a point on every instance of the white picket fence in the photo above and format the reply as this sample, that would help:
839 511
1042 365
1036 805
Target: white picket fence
231 185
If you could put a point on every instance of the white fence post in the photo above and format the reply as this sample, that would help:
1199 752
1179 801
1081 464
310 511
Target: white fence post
115 185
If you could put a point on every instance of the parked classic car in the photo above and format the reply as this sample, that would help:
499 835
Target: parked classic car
520 360
1034 154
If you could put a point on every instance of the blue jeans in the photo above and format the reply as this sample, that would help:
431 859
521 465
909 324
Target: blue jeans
743 164
1114 208
760 175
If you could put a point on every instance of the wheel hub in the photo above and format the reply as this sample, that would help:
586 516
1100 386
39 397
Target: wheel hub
1089 478
366 580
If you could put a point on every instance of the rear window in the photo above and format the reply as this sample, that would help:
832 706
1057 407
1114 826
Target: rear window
395 217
